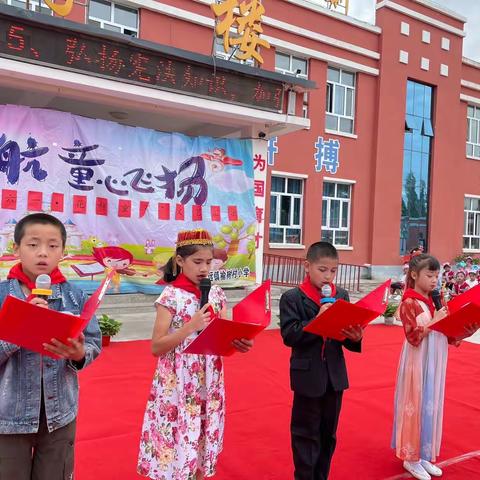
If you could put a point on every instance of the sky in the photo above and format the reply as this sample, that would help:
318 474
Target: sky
365 10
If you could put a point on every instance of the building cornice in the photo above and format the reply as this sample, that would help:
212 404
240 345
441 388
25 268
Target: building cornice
469 99
471 85
303 32
420 16
470 62
330 59
441 9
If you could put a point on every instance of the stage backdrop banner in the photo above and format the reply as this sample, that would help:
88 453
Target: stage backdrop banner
128 188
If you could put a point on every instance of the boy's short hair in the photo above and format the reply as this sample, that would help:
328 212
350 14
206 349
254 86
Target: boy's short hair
35 218
319 250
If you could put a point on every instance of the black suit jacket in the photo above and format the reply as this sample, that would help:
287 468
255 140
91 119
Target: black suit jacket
314 361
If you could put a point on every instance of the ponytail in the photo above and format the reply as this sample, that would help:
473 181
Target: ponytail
171 269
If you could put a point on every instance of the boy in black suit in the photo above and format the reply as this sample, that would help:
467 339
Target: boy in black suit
318 375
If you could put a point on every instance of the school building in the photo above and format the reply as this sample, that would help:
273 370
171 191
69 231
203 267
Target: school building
373 143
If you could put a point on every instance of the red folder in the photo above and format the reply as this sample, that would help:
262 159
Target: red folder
463 310
250 317
343 314
30 326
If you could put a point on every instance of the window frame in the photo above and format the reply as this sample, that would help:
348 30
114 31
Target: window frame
112 22
291 225
342 200
290 71
33 4
331 99
476 224
475 145
230 56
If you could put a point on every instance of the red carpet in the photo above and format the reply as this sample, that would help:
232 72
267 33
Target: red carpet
115 388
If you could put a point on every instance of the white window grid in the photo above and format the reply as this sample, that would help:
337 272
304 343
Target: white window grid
473 131
35 5
294 198
230 56
291 70
340 119
471 230
337 234
111 24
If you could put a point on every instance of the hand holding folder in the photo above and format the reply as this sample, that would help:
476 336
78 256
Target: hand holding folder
342 314
30 326
250 317
463 311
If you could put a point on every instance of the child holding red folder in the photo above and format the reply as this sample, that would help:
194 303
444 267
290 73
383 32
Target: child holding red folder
182 433
39 395
318 374
419 394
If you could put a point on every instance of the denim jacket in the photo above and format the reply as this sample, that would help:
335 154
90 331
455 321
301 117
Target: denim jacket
21 370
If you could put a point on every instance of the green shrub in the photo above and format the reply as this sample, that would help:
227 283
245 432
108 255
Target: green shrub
108 325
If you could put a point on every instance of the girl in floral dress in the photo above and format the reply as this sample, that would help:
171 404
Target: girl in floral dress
420 389
182 434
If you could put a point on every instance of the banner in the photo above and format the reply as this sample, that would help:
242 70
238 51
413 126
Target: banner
127 188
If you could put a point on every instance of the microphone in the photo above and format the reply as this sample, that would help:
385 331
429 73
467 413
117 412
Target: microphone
42 286
327 295
437 299
205 285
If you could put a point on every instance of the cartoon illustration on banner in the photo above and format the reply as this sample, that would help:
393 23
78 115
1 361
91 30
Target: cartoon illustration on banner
123 193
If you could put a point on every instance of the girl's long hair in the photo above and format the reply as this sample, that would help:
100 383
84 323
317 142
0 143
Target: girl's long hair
418 263
171 270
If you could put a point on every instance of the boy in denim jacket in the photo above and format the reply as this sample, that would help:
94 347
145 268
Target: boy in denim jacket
39 395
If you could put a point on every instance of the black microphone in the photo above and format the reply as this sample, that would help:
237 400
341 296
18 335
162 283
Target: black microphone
327 295
437 299
42 286
205 285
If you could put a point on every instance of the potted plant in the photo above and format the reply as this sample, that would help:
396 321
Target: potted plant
389 312
109 327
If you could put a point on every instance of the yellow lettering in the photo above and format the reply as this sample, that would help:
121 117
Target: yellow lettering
60 9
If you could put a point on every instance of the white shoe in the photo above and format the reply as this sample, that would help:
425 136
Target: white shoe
416 470
431 469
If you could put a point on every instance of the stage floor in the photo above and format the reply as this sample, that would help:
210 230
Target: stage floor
257 446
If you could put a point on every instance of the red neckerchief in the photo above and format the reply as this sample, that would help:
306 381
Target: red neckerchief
16 272
460 288
411 293
312 292
186 284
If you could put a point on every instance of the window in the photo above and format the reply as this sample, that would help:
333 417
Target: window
340 100
290 65
336 202
220 53
38 6
471 229
473 131
286 207
114 17
418 136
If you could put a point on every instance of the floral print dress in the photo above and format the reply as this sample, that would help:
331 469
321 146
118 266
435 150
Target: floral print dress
184 418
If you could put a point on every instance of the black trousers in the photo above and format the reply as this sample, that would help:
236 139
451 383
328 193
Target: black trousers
38 456
313 429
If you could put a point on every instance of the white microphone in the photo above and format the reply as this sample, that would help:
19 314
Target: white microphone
327 295
42 286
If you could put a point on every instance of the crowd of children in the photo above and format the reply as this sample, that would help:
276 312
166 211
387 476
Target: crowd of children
456 281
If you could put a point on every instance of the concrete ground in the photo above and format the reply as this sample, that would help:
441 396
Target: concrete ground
137 313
